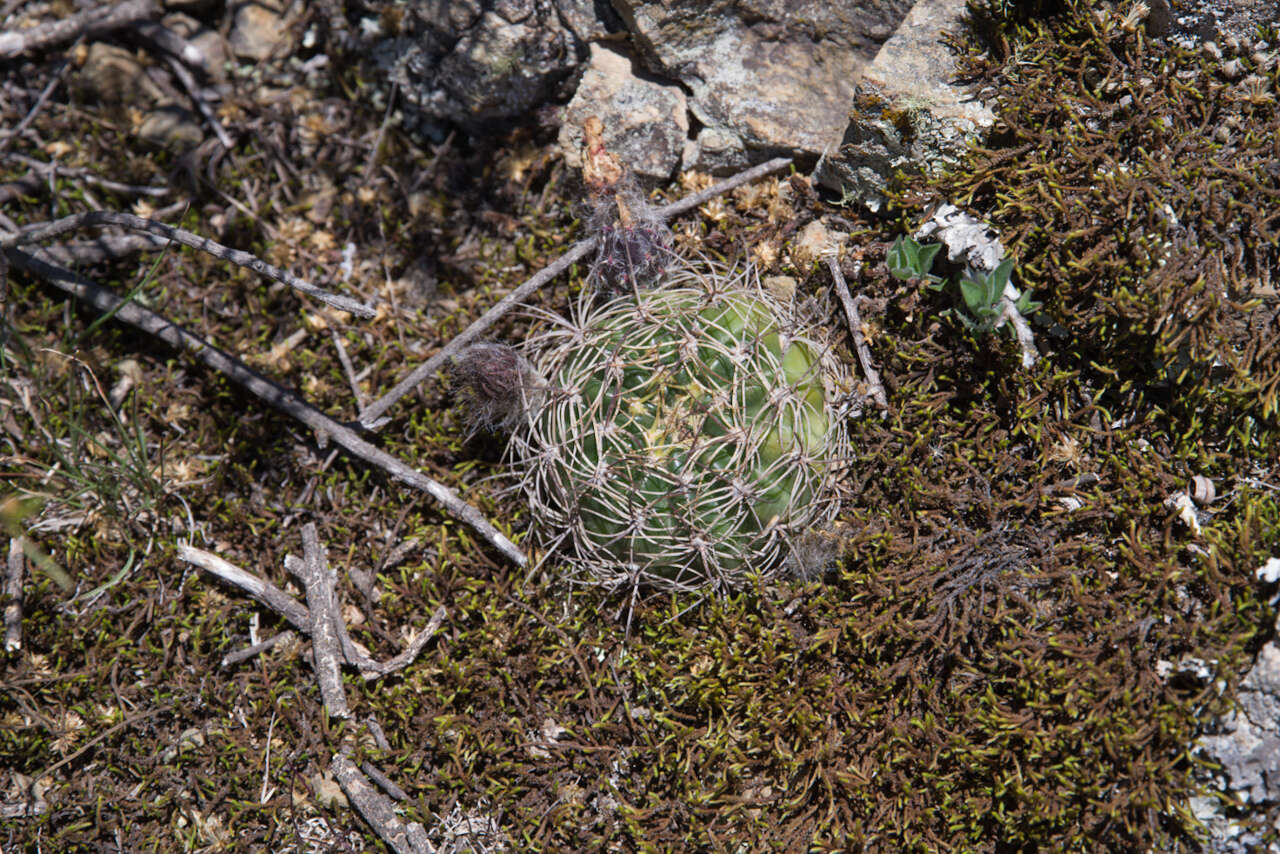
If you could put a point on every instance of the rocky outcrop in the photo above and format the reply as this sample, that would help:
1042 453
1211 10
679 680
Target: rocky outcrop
646 123
474 67
766 76
759 78
908 111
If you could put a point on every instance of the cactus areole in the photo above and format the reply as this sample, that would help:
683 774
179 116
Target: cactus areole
685 436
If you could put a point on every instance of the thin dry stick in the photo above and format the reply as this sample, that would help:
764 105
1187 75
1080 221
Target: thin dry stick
44 167
352 653
263 591
82 253
375 730
16 570
357 656
688 203
347 367
13 134
859 340
233 658
100 19
376 808
383 781
369 418
405 658
193 89
266 390
49 230
318 581
1026 341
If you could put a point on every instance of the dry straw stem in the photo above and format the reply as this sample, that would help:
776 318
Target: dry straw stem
322 600
233 658
378 810
300 616
855 330
100 19
264 592
265 389
369 418
88 219
15 571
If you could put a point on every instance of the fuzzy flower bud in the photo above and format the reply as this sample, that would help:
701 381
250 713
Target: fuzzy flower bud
495 384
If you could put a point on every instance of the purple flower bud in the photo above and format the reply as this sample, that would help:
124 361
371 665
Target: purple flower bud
493 382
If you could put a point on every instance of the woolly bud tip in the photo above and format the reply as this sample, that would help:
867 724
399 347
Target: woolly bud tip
630 258
494 383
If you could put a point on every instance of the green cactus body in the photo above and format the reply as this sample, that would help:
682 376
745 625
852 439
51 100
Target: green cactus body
683 439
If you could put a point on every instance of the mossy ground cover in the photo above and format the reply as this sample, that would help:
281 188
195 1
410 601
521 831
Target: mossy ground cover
980 671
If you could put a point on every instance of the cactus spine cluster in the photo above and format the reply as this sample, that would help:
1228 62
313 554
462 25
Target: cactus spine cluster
686 436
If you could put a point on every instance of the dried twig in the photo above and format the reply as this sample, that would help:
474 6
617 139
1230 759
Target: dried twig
375 729
17 129
369 418
263 591
15 571
384 781
405 658
44 167
104 247
266 390
193 89
233 658
348 368
1026 341
49 230
378 810
317 579
688 203
100 19
859 340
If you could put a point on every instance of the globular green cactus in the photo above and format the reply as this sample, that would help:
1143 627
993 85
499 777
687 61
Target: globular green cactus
686 436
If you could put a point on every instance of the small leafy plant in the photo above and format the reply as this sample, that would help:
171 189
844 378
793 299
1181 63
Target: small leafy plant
982 295
909 260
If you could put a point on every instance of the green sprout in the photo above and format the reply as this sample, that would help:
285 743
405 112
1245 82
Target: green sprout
909 260
982 295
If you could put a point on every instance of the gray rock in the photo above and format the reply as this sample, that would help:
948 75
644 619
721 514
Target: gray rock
1249 746
646 123
766 76
906 112
113 75
261 29
172 127
212 49
498 65
1191 21
1246 745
